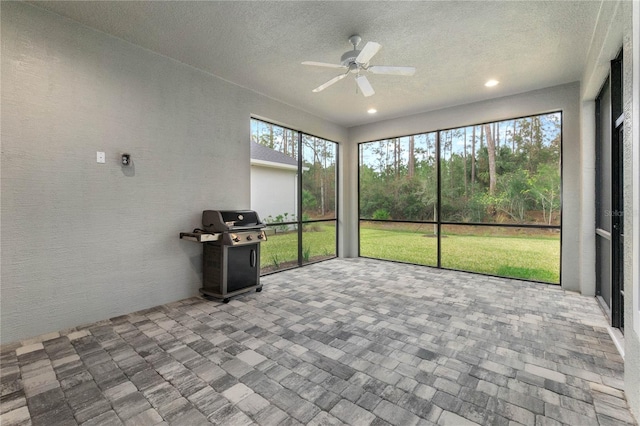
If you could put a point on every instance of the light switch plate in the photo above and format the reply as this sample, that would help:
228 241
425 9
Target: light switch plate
101 157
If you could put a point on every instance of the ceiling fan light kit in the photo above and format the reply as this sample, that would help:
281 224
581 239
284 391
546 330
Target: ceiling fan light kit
356 61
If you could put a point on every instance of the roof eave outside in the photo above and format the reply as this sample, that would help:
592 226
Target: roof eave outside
274 165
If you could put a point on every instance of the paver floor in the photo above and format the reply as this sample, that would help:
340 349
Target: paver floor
346 341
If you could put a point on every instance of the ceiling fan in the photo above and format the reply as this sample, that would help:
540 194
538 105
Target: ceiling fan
356 61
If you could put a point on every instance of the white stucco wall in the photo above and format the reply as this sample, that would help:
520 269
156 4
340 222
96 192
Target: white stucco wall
274 191
83 241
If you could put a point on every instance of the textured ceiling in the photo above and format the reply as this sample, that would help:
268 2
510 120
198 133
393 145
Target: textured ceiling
455 45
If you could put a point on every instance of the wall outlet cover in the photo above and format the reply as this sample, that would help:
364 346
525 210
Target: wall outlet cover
101 157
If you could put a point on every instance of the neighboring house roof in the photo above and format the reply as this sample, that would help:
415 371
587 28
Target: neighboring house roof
265 156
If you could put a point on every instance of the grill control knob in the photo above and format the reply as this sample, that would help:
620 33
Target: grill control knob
236 239
249 238
260 236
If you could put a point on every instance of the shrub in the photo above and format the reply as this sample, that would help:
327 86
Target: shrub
381 214
309 201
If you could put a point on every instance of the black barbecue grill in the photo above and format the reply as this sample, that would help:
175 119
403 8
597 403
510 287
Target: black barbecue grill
231 252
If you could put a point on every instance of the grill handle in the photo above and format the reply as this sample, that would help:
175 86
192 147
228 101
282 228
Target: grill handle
253 258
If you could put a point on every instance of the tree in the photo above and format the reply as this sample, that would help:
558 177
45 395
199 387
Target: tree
491 151
411 166
512 198
465 162
319 176
545 189
478 179
473 158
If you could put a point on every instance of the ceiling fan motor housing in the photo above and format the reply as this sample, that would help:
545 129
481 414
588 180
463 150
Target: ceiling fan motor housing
349 57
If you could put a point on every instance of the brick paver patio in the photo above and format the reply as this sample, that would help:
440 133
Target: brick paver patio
346 341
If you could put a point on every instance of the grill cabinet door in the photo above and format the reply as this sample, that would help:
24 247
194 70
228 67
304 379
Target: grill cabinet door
243 266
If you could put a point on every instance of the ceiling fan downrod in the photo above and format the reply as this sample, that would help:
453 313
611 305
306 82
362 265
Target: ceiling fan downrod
355 40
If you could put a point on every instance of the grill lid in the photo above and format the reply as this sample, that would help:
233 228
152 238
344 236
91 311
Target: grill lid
230 220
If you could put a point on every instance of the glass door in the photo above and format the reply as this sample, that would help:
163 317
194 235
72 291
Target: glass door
609 196
617 236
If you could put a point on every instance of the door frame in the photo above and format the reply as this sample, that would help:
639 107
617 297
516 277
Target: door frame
614 257
617 226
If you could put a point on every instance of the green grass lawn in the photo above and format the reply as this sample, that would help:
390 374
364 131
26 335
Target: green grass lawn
520 256
281 249
532 257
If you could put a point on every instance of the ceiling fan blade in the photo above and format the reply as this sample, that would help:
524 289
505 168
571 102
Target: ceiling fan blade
370 49
365 86
324 64
381 69
329 83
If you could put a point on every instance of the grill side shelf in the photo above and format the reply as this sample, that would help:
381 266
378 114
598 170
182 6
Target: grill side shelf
199 237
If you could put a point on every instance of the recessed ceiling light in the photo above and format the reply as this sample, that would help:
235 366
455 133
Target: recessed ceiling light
491 83
372 110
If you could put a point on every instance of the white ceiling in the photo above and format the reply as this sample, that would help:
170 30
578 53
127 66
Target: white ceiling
456 46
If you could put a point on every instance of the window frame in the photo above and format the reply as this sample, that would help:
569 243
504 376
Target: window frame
438 219
299 222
